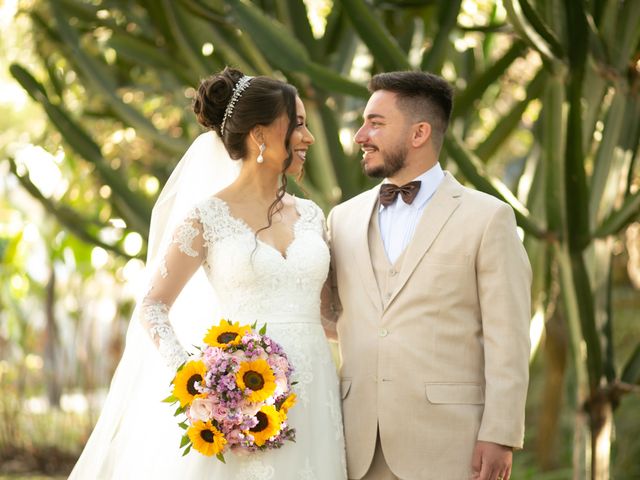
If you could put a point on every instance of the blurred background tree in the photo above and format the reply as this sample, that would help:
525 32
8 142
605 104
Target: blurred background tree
546 117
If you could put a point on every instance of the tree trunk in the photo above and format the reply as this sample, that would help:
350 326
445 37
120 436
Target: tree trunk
601 423
581 445
54 390
555 354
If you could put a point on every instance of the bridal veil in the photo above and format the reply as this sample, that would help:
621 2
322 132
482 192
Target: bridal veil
142 380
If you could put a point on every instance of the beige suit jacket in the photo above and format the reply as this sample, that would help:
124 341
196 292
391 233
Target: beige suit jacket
444 362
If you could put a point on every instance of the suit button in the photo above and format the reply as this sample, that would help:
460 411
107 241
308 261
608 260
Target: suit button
383 332
393 272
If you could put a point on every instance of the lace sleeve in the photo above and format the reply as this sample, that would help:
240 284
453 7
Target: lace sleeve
183 256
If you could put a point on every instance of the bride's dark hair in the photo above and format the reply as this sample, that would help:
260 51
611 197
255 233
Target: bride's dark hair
261 103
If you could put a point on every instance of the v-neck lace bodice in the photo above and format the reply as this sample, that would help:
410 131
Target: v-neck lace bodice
245 225
251 277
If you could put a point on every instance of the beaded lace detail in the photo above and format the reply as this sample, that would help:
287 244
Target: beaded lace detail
264 282
156 318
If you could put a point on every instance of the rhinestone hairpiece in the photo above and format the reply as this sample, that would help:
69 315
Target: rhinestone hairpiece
240 87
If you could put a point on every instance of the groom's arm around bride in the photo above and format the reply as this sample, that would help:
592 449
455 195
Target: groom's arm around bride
431 285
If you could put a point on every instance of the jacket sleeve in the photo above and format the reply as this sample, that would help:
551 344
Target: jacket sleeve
504 292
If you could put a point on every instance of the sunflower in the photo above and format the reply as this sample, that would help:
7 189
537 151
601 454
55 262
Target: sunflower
256 375
226 334
184 388
206 438
269 422
289 402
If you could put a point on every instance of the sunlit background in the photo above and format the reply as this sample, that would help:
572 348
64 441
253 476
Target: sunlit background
73 238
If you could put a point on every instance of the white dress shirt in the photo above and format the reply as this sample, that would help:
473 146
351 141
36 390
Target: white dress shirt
398 221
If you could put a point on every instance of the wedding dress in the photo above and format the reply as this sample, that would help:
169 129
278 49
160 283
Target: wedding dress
137 436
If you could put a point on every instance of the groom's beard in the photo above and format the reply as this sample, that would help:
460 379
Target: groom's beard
393 162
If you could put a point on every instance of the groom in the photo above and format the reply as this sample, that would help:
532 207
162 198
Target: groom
430 286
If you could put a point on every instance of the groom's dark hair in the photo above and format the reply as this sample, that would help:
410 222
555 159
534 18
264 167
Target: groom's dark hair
423 96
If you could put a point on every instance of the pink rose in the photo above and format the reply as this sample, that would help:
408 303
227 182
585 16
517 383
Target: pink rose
201 409
279 363
239 355
219 412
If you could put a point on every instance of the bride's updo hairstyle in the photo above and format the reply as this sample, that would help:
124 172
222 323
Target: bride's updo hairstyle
262 101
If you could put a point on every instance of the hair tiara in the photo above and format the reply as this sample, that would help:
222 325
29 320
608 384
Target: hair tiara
238 89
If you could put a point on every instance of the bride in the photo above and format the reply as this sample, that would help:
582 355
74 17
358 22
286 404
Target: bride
263 258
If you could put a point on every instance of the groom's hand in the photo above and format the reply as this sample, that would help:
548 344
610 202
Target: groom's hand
491 461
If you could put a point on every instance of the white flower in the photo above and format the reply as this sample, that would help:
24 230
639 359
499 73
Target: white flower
201 409
281 385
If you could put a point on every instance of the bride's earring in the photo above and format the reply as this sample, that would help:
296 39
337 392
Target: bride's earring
260 158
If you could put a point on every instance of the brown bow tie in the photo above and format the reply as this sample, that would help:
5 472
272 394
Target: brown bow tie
389 192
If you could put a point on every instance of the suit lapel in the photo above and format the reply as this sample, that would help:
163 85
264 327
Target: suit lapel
435 215
362 254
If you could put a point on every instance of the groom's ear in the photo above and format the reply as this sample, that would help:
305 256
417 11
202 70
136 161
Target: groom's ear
420 134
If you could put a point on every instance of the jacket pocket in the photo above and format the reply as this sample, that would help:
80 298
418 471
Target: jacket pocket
345 386
455 393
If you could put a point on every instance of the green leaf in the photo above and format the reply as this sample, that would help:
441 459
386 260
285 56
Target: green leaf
278 45
347 172
570 301
590 334
537 23
511 120
381 44
526 31
183 425
299 21
263 330
631 370
186 450
184 441
552 142
134 208
100 77
180 410
321 169
575 175
620 218
150 55
434 57
605 158
285 52
220 457
170 399
184 36
473 170
465 100
627 36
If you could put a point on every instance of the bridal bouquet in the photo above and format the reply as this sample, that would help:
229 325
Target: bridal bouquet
235 394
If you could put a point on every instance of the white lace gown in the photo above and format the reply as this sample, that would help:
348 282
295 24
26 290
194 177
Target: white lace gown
253 282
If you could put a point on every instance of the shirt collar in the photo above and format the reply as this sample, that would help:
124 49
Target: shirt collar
430 181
